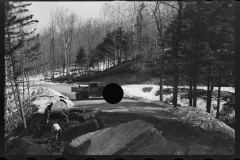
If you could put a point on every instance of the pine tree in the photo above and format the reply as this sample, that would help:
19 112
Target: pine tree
16 37
80 57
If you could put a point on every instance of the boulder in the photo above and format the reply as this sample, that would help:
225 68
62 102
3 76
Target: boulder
73 130
202 119
131 138
36 149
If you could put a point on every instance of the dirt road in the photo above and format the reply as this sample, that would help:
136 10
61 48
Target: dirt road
126 105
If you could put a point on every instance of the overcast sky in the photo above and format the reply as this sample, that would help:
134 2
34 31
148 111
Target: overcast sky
41 10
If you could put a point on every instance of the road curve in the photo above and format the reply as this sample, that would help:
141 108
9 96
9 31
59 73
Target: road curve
126 105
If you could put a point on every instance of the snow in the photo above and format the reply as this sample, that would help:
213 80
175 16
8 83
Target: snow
46 83
226 89
135 91
195 115
44 96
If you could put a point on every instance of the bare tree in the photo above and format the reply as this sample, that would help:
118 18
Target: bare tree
162 16
65 27
52 30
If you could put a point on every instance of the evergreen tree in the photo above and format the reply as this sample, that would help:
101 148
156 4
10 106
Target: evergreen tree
17 39
117 41
80 57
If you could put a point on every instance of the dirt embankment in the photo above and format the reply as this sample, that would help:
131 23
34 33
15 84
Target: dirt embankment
37 139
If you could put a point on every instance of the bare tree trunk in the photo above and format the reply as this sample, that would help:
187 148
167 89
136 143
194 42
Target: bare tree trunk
53 56
190 91
23 83
14 95
175 67
219 95
29 95
175 85
18 94
66 60
161 80
209 88
195 88
219 83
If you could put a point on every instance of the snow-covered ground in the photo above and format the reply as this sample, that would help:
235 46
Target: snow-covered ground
45 83
226 89
196 115
42 96
135 91
36 78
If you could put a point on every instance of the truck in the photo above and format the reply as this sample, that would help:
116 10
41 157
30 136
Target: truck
91 89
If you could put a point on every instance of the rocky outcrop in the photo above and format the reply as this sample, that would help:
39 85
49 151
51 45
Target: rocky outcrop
131 138
202 119
37 139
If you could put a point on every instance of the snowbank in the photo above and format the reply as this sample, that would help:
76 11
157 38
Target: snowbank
42 96
45 83
135 91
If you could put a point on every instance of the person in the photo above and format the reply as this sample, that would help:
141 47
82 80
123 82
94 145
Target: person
47 111
56 131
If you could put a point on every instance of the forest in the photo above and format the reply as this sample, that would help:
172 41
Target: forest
192 41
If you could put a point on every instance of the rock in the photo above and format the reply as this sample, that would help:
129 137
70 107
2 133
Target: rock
227 113
36 149
202 119
131 138
73 130
199 150
205 150
36 139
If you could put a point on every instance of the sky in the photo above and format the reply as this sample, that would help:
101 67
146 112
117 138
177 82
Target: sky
41 10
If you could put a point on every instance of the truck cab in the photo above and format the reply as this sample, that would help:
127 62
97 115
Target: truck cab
91 89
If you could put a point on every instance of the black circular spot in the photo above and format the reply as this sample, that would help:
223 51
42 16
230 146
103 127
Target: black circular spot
113 93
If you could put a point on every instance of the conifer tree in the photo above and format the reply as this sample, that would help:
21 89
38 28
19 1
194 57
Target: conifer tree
17 37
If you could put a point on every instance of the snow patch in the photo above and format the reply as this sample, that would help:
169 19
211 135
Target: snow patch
43 96
135 91
46 83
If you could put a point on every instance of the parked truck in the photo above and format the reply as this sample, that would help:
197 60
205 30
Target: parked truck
91 89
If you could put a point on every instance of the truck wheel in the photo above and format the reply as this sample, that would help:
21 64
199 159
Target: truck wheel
79 96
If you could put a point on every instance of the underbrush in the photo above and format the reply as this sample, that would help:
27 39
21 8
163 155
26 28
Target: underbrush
201 93
180 133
